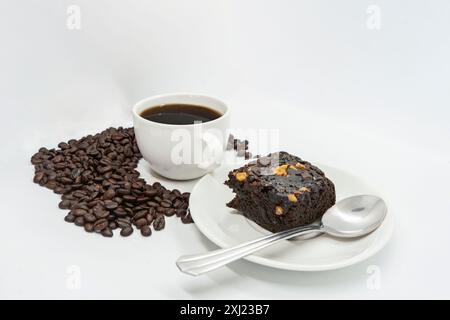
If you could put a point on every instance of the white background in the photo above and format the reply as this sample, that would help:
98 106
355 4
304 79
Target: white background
372 102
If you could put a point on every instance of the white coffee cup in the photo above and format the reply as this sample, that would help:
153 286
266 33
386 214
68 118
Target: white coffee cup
182 152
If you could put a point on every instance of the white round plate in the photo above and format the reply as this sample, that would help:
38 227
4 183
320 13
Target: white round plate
226 227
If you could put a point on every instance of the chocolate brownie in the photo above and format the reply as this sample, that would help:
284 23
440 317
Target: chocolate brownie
281 191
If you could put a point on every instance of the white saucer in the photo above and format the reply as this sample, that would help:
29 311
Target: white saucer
226 227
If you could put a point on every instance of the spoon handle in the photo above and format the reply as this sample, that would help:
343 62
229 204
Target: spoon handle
201 263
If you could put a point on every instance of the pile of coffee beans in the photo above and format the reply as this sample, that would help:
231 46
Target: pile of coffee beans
240 146
98 182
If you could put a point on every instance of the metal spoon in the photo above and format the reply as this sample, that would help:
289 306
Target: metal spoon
349 218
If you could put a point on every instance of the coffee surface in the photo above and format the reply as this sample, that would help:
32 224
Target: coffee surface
180 114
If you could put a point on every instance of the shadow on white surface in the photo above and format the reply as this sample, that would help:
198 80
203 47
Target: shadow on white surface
242 270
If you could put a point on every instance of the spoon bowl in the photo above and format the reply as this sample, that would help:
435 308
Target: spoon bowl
354 216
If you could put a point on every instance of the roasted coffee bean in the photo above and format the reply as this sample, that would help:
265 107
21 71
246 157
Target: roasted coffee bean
161 209
38 177
180 212
185 205
177 203
185 195
65 180
67 197
169 212
146 231
58 190
36 161
51 175
117 177
63 145
107 232
51 184
159 223
58 158
83 145
93 203
125 232
97 178
75 173
129 210
152 204
166 195
79 221
123 223
111 205
69 218
60 166
79 194
151 192
187 218
79 212
100 212
93 195
89 217
81 205
128 205
86 174
137 185
140 214
140 207
89 227
101 224
112 155
104 169
117 136
122 191
126 184
171 197
109 194
129 198
140 222
156 185
65 204
112 225
141 199
121 212
166 204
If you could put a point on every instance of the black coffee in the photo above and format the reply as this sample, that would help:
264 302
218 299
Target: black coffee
180 114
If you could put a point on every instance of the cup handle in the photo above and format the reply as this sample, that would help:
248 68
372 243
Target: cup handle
212 152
